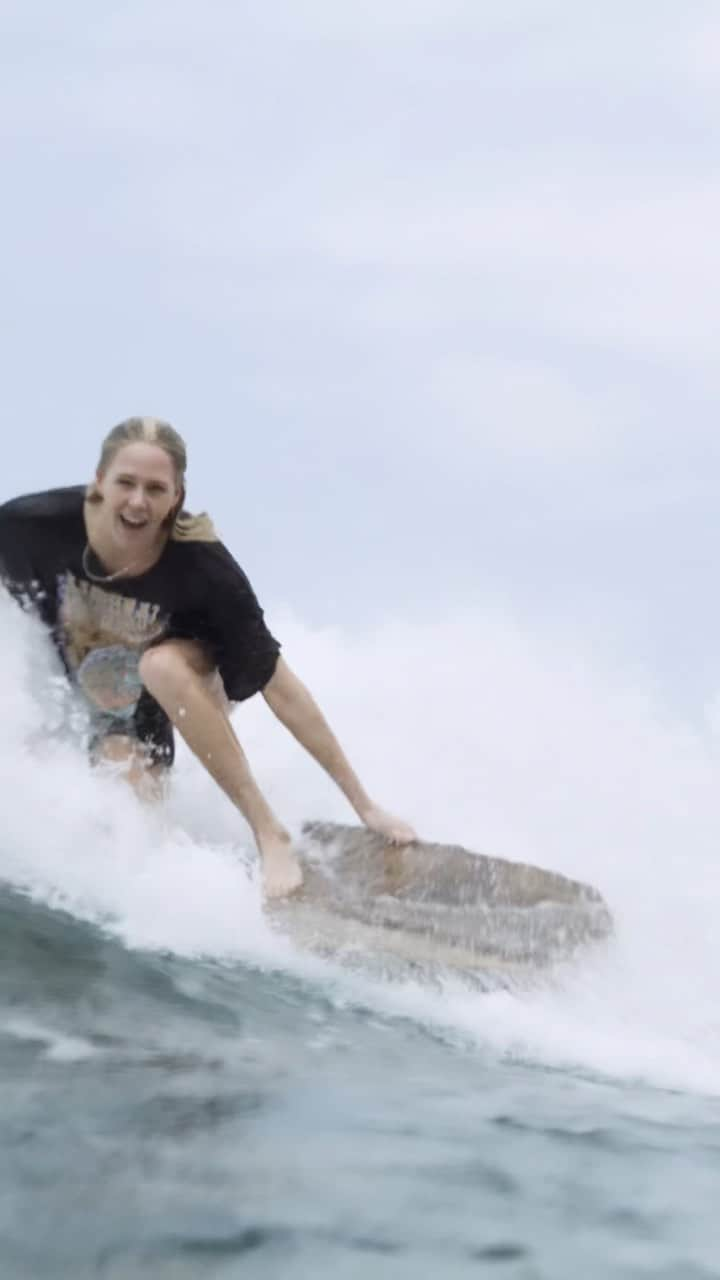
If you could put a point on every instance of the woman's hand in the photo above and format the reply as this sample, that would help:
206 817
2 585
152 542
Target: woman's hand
393 829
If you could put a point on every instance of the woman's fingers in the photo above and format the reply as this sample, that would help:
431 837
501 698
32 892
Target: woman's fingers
393 829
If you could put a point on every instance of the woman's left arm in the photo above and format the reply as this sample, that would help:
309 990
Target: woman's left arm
296 708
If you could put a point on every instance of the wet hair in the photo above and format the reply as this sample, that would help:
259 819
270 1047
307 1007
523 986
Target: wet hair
183 527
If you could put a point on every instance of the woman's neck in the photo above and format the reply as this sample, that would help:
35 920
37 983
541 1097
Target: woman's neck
116 561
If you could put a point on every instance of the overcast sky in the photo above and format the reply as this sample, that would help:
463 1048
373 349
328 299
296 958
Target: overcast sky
431 287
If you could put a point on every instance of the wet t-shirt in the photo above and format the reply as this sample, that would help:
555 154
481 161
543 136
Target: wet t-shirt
195 591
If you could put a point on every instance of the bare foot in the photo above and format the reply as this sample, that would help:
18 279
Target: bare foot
394 829
281 871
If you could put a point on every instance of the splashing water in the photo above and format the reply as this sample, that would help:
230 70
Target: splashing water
477 731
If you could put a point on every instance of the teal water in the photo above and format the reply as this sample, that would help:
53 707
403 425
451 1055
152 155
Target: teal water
173 1118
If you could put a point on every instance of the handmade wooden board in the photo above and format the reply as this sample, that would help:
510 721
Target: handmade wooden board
434 904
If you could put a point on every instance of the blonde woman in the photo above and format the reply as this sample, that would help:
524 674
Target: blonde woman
158 626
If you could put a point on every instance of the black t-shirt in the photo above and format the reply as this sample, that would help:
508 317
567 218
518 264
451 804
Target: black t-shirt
195 591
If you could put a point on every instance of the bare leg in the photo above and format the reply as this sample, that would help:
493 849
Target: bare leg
178 675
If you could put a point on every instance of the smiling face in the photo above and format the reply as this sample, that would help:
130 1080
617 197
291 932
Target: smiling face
139 489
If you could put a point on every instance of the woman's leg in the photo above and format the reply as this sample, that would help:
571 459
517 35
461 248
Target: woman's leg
179 676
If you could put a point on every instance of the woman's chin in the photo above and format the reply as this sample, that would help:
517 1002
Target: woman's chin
136 540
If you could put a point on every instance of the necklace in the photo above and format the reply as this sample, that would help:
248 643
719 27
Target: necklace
100 577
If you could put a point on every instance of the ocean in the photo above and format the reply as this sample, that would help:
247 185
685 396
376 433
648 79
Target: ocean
186 1094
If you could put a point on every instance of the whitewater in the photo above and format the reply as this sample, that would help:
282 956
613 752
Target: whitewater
187 1094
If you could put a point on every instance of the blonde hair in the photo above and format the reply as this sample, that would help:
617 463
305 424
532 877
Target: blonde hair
183 526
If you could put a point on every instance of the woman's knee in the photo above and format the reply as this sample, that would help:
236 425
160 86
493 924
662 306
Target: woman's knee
173 662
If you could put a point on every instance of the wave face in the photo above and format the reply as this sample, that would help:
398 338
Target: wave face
218 1093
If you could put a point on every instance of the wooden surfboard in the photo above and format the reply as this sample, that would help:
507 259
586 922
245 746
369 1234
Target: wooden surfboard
435 905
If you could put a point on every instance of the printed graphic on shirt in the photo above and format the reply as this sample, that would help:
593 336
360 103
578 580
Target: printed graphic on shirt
103 636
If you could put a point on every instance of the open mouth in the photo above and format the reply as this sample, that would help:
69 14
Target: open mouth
129 523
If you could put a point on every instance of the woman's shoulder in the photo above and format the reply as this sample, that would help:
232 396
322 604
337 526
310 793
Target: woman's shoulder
50 504
213 557
209 567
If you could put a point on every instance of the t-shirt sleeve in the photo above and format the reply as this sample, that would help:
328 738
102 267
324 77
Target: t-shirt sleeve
244 650
16 568
37 532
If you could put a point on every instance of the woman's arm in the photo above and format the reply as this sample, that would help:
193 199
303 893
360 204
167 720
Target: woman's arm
295 707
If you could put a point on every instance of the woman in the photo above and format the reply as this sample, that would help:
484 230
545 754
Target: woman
157 626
